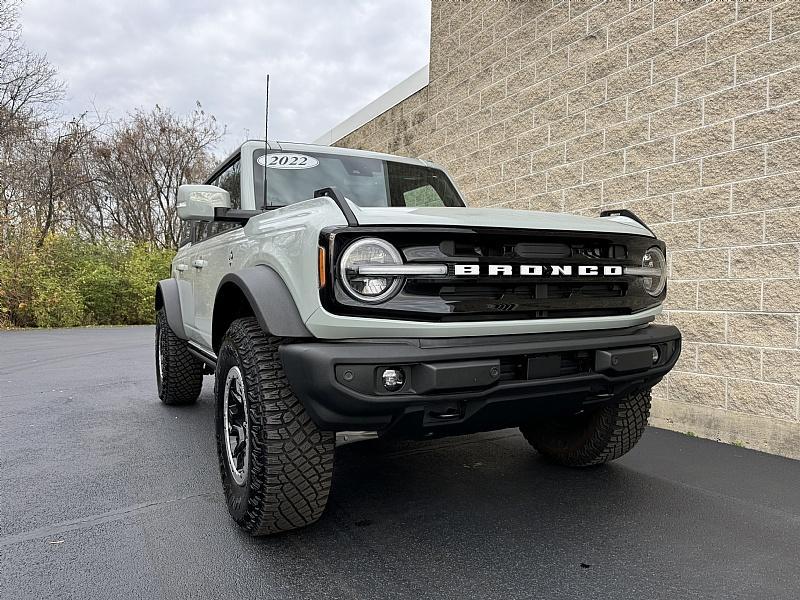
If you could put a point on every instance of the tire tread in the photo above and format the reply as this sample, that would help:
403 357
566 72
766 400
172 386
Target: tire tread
183 372
615 430
291 461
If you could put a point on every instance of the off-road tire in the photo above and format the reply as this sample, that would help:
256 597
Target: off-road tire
290 466
180 378
593 438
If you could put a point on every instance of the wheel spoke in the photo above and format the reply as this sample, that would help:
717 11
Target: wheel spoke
239 449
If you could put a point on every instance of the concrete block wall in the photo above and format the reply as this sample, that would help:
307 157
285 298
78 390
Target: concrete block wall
686 112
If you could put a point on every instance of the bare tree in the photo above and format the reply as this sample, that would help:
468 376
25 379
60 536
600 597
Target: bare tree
85 174
29 91
143 162
59 172
29 84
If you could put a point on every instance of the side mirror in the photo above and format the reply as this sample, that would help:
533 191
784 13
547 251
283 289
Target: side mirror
197 202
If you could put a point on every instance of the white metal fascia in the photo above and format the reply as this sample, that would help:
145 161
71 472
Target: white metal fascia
380 105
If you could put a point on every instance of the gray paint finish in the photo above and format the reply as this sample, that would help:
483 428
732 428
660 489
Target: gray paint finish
495 218
286 240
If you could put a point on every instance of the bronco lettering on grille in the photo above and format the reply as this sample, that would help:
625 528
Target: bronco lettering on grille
538 270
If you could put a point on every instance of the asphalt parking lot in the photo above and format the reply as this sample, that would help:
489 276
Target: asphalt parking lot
106 493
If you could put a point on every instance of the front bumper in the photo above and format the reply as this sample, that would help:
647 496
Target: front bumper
468 384
325 325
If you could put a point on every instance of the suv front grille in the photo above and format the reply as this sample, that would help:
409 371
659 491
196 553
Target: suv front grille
514 293
539 300
481 297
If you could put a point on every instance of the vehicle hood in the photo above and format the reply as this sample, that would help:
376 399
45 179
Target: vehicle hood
495 218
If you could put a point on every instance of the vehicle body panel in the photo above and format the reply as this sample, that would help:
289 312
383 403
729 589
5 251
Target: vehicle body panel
219 255
182 272
325 325
287 240
493 217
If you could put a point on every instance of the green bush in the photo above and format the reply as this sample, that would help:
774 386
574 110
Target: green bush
19 274
142 269
70 281
55 303
104 293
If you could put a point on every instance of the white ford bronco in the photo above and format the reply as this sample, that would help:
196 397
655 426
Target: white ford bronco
354 294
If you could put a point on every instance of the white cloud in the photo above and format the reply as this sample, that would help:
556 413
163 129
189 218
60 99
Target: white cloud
326 58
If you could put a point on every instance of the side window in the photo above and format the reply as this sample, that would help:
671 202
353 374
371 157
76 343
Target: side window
201 230
208 229
186 234
230 181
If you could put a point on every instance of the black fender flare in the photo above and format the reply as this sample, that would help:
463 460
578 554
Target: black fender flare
168 297
269 298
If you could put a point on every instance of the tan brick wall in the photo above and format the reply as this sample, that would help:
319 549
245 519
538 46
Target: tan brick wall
686 112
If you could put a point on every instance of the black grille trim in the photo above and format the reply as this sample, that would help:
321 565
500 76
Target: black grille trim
462 298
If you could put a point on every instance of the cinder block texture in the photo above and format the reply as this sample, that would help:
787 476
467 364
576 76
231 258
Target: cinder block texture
688 113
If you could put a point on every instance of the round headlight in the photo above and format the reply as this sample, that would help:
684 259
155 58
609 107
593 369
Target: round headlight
656 263
369 252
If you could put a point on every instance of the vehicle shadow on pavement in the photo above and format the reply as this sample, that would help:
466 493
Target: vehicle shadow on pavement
485 515
491 479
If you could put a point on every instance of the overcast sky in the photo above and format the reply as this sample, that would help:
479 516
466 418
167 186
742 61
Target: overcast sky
326 58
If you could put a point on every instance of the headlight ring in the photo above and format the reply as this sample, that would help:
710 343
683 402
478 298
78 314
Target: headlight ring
369 288
656 263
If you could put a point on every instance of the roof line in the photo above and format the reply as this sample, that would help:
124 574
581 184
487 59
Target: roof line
380 105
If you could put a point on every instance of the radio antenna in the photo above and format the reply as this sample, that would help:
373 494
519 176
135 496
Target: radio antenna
266 142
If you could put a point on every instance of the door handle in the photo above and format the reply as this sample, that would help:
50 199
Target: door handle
181 267
199 263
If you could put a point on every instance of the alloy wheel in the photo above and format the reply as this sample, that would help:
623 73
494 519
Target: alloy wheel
236 422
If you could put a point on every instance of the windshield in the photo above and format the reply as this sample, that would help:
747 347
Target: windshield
295 176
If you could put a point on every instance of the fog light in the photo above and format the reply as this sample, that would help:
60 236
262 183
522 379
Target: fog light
393 379
656 355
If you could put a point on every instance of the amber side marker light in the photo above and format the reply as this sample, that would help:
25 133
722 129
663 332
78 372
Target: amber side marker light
321 266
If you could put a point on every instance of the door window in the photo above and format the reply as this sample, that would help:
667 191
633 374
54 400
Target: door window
186 234
230 180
